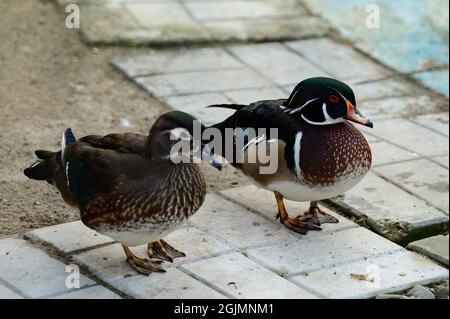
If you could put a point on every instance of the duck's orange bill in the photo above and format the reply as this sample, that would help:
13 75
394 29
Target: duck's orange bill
354 115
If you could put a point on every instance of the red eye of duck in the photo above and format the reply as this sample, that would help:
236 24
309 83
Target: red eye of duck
333 99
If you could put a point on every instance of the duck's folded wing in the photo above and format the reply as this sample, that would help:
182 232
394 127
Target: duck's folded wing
122 142
94 172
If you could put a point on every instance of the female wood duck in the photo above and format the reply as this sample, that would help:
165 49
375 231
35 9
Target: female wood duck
128 186
320 154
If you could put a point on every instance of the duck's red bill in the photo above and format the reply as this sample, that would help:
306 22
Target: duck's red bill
354 115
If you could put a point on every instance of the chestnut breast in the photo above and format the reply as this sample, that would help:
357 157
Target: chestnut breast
332 153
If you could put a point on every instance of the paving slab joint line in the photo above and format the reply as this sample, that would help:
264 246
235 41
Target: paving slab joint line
278 224
400 161
427 127
88 273
420 156
378 228
201 258
67 259
14 289
186 72
349 262
297 53
256 70
61 293
399 95
212 234
306 288
205 282
35 239
389 180
423 253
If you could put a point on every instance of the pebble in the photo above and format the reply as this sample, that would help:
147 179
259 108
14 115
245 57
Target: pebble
421 292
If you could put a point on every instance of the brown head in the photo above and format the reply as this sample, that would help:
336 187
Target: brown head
177 135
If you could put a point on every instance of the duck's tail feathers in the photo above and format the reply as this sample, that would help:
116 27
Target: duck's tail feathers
229 106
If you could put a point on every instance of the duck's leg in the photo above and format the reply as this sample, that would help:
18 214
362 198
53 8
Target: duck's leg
162 250
142 265
318 216
301 226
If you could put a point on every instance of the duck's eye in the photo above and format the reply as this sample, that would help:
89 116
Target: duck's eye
333 99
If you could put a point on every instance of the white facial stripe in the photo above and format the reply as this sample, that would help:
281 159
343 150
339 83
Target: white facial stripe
292 111
297 149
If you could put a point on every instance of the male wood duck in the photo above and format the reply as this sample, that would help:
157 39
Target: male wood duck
320 153
128 186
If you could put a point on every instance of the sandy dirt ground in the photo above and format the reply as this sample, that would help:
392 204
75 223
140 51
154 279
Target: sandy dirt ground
50 80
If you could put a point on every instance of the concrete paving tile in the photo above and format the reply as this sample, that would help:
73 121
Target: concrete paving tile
400 217
250 96
174 284
339 60
175 61
168 23
264 202
290 68
381 89
385 153
436 80
95 292
374 276
435 247
110 24
412 137
404 40
242 278
436 121
109 263
68 237
392 107
313 253
33 271
6 293
266 29
202 82
237 225
194 243
196 105
205 11
423 178
443 160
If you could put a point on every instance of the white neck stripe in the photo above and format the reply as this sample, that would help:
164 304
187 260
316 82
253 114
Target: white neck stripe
333 121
